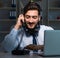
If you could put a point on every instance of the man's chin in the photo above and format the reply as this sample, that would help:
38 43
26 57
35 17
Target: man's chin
31 27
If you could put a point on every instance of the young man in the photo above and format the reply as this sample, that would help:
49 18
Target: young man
26 29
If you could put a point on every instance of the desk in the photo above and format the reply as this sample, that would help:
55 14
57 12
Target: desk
9 55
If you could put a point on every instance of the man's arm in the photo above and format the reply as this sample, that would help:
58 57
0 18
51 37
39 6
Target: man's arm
10 41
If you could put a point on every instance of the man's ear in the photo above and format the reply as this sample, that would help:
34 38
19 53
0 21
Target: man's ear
39 18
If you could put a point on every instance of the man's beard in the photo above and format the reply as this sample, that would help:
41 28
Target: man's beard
32 31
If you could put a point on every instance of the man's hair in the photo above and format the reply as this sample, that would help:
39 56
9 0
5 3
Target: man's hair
32 6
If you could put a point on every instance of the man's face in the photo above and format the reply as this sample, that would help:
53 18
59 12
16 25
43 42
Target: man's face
31 18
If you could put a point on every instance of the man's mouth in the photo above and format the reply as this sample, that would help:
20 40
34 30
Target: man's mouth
30 24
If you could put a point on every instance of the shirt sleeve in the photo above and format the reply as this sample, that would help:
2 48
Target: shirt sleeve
10 41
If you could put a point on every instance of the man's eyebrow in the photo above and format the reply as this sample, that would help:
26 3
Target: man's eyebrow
27 15
30 15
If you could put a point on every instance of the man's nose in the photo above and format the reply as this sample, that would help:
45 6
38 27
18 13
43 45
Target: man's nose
31 19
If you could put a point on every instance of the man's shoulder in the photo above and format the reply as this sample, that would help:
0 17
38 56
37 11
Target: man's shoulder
44 27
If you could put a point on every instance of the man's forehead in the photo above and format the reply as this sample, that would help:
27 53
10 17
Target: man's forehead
32 12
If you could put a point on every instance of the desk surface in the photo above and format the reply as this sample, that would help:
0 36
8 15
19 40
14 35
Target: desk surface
9 55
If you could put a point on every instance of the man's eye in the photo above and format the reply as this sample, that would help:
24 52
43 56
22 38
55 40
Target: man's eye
27 17
34 17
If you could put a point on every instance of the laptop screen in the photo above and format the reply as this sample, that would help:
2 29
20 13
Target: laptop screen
52 42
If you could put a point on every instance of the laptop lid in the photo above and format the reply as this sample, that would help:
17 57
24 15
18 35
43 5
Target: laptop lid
51 42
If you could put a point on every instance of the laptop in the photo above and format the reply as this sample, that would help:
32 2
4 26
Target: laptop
51 43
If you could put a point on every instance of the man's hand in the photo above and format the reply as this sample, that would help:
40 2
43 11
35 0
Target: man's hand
19 22
30 47
34 47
